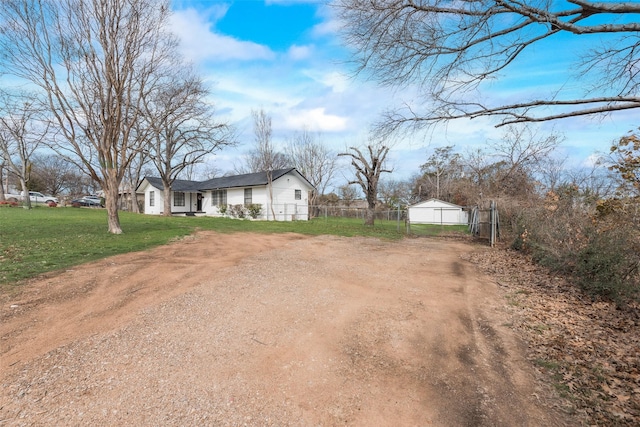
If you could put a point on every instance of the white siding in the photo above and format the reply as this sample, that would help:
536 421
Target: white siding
158 200
190 201
285 205
437 212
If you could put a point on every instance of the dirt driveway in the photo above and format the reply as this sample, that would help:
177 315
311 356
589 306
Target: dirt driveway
248 329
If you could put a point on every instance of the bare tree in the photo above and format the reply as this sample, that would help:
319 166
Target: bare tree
78 183
209 171
524 150
181 126
133 175
264 157
552 172
441 167
480 170
2 175
348 194
22 131
52 174
313 160
368 167
449 49
594 182
92 61
395 194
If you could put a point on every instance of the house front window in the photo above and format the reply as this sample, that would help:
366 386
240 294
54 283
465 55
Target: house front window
152 198
219 198
247 196
178 198
298 194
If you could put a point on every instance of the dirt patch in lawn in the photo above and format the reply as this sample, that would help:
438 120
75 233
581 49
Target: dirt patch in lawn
249 329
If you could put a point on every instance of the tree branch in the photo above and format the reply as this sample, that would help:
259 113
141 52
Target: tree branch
448 49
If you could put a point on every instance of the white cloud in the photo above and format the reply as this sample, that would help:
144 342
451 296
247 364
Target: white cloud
326 28
329 26
248 90
337 81
199 42
298 53
316 119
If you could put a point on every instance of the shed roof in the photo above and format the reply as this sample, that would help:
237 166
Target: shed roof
436 203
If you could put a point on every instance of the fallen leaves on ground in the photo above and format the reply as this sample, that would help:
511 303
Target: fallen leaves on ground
588 348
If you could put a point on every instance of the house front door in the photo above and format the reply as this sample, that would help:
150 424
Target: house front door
199 203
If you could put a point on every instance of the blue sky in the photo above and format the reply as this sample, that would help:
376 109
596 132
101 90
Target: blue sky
287 58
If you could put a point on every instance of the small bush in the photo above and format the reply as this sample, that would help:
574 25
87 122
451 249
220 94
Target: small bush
596 244
222 209
255 209
553 231
608 265
52 204
8 204
237 211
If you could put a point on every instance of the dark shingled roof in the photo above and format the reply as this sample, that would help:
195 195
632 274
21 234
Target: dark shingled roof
245 180
178 184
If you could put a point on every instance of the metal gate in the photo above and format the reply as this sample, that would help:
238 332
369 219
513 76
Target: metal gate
485 223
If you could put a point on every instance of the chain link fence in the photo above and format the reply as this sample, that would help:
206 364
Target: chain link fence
326 211
392 219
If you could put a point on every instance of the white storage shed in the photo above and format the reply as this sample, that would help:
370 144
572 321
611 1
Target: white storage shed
434 211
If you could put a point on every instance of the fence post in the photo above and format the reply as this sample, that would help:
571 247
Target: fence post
492 216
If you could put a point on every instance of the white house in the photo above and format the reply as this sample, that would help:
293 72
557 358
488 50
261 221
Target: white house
289 195
434 211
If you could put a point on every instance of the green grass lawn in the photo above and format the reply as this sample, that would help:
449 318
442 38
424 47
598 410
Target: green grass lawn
46 239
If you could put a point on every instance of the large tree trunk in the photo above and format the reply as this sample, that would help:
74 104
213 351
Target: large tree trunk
26 200
312 208
110 187
135 208
270 187
370 214
167 200
2 189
